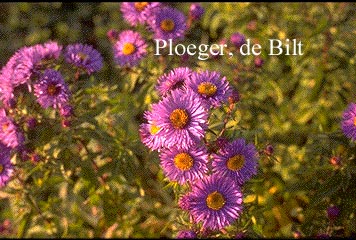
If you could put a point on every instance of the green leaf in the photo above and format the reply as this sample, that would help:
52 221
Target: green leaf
25 224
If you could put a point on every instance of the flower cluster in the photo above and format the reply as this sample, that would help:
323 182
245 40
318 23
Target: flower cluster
176 127
164 22
33 72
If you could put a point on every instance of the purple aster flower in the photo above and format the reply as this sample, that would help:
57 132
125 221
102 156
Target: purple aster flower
51 90
237 39
31 122
84 56
210 87
9 134
258 62
186 234
66 110
182 118
149 132
196 11
175 79
333 212
6 167
168 23
129 49
348 123
234 97
215 201
49 50
183 202
21 66
18 69
184 165
236 160
138 12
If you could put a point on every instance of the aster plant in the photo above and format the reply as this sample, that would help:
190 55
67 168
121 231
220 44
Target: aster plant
212 89
172 80
168 23
129 49
84 57
136 13
35 90
183 120
215 202
208 172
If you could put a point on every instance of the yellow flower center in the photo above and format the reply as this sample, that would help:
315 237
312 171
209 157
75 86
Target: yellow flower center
355 121
167 25
1 168
215 200
236 162
207 88
128 49
154 129
183 161
52 89
179 118
5 126
140 6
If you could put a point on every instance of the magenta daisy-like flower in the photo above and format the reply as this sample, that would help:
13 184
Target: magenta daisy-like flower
196 11
84 57
6 167
211 88
236 160
184 165
175 79
215 201
237 39
9 134
20 66
49 50
183 202
51 90
129 49
66 110
149 132
168 23
138 12
348 123
182 119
